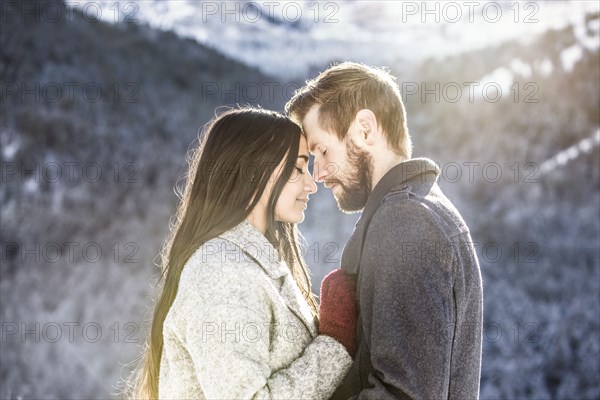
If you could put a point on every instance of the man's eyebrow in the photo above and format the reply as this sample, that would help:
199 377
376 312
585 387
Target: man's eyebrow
312 146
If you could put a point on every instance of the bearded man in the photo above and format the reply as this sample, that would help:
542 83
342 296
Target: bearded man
418 283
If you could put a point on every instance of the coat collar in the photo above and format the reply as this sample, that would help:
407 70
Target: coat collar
414 171
415 175
258 247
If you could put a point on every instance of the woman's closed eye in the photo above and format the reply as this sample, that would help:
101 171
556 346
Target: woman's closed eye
300 170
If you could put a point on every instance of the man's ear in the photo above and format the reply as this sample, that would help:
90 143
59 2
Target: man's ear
367 127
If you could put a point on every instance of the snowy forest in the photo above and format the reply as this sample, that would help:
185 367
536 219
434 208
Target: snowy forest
96 119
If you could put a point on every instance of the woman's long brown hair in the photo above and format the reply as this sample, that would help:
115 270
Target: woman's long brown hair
227 174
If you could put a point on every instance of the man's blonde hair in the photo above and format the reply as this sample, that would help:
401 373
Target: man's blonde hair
344 89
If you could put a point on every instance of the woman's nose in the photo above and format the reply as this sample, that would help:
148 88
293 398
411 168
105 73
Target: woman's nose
310 184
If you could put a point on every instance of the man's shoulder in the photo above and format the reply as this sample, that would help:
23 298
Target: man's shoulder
401 219
402 206
406 207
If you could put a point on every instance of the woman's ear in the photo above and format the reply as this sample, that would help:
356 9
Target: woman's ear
368 129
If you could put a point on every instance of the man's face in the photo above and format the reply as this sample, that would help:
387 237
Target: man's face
342 166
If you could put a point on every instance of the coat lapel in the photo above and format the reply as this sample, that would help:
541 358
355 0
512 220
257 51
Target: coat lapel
255 245
297 304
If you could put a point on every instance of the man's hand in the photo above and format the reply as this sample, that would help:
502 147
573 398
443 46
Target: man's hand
337 314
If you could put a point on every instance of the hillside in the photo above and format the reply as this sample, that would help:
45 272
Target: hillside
524 170
96 121
119 141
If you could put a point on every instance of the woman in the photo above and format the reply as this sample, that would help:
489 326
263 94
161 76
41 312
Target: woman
236 318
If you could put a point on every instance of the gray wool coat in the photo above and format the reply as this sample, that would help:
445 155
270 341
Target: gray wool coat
419 293
239 328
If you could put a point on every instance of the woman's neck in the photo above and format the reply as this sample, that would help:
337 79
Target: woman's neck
258 220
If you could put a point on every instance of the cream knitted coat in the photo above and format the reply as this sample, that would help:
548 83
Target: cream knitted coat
239 328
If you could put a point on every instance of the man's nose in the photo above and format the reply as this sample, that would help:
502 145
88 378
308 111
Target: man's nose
319 172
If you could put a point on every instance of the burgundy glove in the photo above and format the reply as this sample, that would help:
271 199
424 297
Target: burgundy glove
337 313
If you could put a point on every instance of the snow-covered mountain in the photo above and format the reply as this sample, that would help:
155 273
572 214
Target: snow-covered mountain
536 230
289 39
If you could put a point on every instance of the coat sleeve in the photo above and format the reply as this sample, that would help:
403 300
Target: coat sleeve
409 303
229 339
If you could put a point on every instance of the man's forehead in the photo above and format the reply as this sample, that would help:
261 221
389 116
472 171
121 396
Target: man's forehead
317 136
315 139
310 122
312 144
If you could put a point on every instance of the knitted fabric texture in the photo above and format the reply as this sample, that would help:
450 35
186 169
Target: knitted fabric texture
239 328
337 313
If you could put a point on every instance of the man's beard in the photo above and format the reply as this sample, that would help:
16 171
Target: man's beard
358 182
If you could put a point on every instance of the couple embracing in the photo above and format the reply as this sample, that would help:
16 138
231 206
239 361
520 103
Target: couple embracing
236 317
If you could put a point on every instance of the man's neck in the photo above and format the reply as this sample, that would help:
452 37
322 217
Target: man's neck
383 166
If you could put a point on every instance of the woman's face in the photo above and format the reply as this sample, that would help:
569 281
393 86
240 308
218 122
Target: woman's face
293 199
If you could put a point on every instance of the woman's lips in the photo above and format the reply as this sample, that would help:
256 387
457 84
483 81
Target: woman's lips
303 201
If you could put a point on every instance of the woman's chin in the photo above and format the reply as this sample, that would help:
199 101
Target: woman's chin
298 219
292 219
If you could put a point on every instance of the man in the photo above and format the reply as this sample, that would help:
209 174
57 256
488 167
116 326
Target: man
419 290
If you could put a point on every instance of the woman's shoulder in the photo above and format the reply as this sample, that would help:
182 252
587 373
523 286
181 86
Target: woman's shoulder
214 276
219 261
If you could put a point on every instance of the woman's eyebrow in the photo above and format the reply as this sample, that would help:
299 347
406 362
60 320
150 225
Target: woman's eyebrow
304 157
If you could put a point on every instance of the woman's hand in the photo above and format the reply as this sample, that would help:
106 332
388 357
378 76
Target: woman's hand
337 313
